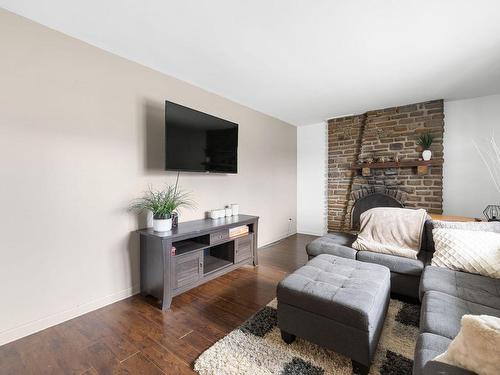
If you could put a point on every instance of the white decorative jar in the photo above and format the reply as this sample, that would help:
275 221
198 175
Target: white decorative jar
162 225
426 155
228 211
235 208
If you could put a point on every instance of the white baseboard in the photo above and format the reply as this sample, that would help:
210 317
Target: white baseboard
62 316
277 239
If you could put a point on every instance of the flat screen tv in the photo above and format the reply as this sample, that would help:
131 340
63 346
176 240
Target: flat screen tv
198 142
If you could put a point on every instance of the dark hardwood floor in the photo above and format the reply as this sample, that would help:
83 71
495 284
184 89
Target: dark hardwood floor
133 337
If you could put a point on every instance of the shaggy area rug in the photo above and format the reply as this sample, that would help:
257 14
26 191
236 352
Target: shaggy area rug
256 348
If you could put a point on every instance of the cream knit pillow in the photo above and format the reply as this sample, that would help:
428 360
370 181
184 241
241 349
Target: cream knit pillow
477 345
467 251
492 226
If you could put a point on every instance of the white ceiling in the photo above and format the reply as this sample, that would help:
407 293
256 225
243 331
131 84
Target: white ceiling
302 61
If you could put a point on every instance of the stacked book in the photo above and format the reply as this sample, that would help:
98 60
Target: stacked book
238 231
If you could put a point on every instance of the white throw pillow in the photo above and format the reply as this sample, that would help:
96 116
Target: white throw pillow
467 251
484 226
477 345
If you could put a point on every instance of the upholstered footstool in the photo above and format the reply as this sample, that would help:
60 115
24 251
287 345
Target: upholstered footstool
337 303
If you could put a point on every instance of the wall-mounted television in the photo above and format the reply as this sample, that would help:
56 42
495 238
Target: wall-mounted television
198 142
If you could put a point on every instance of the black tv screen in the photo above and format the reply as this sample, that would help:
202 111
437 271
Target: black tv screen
198 142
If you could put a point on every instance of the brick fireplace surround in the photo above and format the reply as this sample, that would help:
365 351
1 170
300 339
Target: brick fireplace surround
382 133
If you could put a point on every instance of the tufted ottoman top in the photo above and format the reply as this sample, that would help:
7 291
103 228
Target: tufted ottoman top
344 290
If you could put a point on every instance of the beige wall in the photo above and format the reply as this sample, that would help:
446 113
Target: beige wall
74 125
468 186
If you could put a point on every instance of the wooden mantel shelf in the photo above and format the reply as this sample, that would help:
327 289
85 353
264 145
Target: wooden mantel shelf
421 165
401 164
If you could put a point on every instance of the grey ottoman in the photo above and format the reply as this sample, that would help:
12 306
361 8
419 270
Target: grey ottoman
337 303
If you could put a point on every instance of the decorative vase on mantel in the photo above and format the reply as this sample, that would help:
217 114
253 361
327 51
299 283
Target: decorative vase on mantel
427 155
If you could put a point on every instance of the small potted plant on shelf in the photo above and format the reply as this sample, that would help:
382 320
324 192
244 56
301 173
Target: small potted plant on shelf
162 203
425 141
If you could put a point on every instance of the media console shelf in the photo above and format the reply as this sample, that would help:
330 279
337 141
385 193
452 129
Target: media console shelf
193 253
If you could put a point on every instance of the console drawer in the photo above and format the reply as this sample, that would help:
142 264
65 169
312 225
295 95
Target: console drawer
243 248
219 236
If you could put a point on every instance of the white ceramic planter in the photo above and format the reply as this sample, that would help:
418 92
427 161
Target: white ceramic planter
426 155
162 225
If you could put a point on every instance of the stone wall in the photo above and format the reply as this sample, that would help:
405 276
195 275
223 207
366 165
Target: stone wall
387 132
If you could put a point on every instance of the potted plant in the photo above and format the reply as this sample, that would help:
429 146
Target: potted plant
162 203
425 141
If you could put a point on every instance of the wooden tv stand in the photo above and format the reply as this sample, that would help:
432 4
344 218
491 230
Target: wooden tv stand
203 251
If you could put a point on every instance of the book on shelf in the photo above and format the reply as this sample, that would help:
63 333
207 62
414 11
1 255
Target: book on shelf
238 231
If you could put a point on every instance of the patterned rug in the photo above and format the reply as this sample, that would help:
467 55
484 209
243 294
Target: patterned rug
256 348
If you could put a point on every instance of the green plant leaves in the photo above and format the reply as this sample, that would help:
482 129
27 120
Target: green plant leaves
162 202
425 140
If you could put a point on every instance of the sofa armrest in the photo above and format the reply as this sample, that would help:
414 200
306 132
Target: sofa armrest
334 244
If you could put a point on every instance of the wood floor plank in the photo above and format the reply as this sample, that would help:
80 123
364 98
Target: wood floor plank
38 356
166 360
120 346
90 371
135 337
11 361
138 364
102 359
138 329
69 355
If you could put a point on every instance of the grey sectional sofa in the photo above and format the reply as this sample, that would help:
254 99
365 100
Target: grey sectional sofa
446 295
405 273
